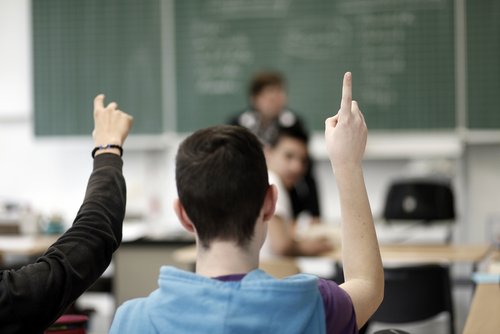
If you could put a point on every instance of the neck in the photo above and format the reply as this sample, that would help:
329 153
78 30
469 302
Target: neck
265 121
263 118
225 258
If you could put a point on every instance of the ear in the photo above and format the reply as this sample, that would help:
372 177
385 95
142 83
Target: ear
183 217
269 205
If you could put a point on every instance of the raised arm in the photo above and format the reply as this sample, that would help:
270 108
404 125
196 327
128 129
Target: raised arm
36 295
346 136
111 125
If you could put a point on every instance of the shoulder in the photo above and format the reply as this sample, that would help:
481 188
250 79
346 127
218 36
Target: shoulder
128 316
290 118
246 118
339 310
130 307
331 291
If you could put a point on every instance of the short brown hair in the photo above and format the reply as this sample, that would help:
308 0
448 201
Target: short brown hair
264 79
222 180
296 131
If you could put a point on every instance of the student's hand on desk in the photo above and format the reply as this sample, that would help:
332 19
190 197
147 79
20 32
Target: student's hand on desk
346 132
111 125
313 247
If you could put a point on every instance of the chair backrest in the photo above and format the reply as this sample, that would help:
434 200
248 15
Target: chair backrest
391 331
423 199
416 293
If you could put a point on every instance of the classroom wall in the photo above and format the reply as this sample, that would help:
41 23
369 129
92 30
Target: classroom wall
51 173
48 173
482 163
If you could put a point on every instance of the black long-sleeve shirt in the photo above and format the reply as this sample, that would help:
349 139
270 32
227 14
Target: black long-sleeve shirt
33 297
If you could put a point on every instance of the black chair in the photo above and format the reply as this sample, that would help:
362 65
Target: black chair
391 331
416 293
424 199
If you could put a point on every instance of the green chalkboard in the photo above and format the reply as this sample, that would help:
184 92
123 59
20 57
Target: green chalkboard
401 53
82 48
483 59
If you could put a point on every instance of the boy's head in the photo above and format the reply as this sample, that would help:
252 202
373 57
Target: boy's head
222 180
267 93
287 154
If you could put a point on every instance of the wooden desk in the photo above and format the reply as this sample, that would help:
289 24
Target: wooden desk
427 253
25 245
406 252
484 314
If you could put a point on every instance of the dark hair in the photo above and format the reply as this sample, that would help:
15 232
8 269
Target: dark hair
265 79
221 177
295 131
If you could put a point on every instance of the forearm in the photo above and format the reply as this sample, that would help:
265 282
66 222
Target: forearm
360 250
34 296
363 271
97 229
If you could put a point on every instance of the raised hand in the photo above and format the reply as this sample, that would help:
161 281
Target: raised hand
111 125
346 132
346 135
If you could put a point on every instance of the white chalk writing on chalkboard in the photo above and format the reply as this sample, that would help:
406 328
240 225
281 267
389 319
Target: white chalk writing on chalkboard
313 39
219 58
370 6
389 45
382 45
234 9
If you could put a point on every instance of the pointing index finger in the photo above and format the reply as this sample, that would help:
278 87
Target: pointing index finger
345 104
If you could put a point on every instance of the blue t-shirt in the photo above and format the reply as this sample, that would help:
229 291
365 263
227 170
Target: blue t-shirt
339 311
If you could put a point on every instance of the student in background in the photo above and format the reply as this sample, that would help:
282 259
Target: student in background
226 201
267 113
287 161
33 297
